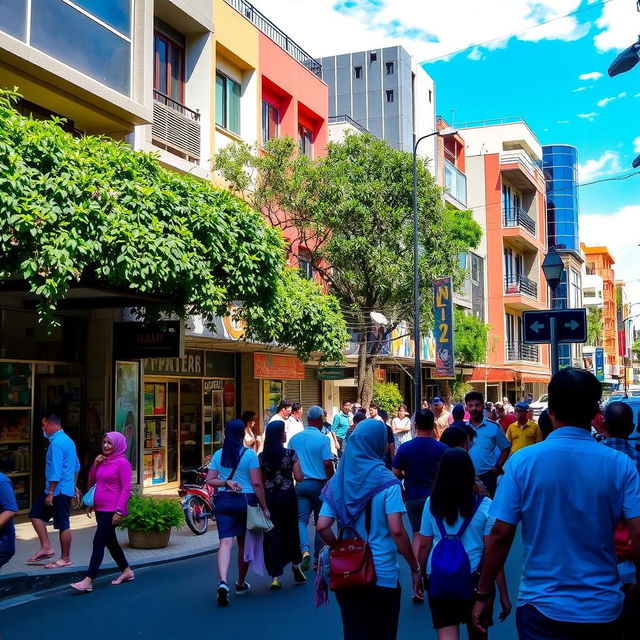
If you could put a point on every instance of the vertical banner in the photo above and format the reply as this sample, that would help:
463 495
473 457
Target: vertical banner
443 332
599 363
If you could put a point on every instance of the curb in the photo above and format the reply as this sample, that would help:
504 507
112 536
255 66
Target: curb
14 585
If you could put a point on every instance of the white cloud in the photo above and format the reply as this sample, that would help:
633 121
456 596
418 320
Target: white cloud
622 94
588 116
367 24
563 121
592 75
636 145
475 54
607 164
619 24
578 89
605 101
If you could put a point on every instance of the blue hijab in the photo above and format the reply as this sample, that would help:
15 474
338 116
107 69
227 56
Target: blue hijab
361 473
233 443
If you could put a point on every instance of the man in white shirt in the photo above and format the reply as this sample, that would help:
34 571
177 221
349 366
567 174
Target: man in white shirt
294 423
282 412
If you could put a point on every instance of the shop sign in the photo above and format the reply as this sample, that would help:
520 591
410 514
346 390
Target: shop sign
330 373
443 316
136 340
599 358
380 375
277 367
191 365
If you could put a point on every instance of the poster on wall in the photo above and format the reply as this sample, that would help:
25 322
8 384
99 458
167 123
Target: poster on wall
127 409
599 358
443 332
15 384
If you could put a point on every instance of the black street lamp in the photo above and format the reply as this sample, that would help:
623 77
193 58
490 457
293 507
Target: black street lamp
448 131
626 60
553 268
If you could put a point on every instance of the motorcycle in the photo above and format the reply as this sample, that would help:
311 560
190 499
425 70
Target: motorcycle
197 500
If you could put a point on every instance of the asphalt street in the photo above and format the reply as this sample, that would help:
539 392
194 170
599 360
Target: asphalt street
178 600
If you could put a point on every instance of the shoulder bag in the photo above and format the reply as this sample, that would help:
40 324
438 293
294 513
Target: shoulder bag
351 561
256 520
226 491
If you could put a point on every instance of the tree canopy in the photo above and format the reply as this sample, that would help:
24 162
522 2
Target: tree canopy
91 210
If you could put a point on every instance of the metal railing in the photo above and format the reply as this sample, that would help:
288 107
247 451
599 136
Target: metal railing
277 35
347 120
518 283
176 131
470 124
164 99
521 351
455 182
518 217
516 156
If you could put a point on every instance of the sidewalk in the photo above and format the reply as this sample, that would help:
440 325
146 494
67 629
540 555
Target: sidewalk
17 577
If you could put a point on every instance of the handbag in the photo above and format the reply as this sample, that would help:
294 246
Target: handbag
89 497
256 520
351 561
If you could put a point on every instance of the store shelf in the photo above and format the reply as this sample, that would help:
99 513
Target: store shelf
15 441
16 474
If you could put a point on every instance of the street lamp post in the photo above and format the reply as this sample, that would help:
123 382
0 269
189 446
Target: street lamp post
553 268
448 131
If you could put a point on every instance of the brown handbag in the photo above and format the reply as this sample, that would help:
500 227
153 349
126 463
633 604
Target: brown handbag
351 561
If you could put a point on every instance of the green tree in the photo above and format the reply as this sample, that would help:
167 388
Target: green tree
92 211
595 326
352 210
388 396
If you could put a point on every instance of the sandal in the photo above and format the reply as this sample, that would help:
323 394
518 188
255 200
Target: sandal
58 564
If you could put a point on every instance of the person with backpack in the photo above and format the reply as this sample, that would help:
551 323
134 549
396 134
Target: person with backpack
455 522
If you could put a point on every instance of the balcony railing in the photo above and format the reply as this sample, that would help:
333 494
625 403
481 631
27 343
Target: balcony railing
347 120
521 157
277 35
517 217
521 351
176 126
455 182
518 283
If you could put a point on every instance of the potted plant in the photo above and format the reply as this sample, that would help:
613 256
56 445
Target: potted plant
150 520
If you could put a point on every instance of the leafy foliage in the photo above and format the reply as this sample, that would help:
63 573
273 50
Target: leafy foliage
388 396
595 326
149 514
471 338
92 211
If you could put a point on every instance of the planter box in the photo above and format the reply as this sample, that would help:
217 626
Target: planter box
153 540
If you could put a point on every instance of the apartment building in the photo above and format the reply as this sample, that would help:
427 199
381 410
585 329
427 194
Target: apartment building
507 190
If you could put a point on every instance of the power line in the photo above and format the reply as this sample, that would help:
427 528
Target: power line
516 33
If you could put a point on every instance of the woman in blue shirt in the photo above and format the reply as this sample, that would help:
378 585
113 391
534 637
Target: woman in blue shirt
235 472
362 479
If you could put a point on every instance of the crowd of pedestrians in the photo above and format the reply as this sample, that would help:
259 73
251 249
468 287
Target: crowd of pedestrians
465 476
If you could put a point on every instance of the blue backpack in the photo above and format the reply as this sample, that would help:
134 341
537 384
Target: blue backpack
451 576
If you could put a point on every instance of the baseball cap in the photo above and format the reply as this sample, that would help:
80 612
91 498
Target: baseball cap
437 400
314 412
522 406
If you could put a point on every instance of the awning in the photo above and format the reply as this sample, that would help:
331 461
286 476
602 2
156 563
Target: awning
536 377
492 374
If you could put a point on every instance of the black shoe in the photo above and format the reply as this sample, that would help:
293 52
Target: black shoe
298 575
223 594
242 589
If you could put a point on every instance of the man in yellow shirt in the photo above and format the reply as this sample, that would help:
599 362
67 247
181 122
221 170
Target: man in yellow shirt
523 432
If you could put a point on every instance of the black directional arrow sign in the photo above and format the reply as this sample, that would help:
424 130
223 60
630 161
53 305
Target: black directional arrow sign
571 326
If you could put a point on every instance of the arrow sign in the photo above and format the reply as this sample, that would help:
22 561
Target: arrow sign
537 326
571 326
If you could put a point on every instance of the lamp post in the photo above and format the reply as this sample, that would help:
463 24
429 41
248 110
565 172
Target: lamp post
553 268
448 131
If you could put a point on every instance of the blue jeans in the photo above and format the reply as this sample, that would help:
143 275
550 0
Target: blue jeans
308 493
533 625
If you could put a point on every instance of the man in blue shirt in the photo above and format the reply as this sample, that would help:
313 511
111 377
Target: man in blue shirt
341 423
489 437
316 460
61 473
8 510
569 492
618 425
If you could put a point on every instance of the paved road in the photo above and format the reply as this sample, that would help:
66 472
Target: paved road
178 600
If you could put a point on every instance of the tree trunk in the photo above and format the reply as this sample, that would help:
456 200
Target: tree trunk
367 387
362 364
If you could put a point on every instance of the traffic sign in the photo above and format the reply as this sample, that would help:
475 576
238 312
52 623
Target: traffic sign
571 326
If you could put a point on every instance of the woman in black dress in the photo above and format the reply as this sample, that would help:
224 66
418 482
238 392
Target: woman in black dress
279 468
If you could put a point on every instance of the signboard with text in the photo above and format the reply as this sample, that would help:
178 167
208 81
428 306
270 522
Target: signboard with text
599 363
277 367
443 331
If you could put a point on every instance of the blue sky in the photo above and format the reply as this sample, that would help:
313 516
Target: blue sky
535 74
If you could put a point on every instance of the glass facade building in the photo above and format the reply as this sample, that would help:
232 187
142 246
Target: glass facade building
560 165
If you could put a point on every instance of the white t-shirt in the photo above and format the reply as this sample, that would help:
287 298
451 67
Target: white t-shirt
383 548
291 427
472 539
405 436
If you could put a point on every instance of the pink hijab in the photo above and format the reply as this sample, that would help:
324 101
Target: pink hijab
119 443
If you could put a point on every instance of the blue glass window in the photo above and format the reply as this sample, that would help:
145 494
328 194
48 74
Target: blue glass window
116 13
13 18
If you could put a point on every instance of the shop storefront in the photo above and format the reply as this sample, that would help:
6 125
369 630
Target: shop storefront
187 402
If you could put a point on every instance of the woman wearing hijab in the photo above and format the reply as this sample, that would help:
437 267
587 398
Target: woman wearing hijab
111 474
362 480
279 468
235 473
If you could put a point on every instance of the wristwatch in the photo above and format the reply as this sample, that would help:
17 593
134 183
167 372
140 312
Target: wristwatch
481 597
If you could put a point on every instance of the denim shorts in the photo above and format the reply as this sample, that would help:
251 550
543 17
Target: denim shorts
231 512
59 511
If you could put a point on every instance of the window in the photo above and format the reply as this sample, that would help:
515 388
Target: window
270 122
389 66
227 103
390 95
305 263
373 56
305 140
13 17
168 67
357 72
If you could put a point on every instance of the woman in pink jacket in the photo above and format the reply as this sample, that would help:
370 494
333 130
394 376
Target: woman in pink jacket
111 473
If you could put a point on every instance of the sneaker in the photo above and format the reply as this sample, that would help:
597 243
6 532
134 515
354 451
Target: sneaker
306 561
298 576
275 584
243 588
223 594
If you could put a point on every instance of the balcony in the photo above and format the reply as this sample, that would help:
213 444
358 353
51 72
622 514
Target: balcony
517 217
348 121
455 183
520 284
522 352
277 35
523 172
176 127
